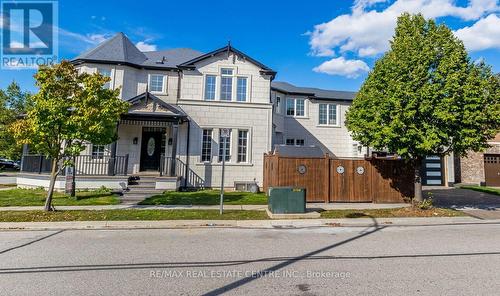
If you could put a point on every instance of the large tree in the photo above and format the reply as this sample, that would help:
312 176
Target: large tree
13 103
68 110
426 97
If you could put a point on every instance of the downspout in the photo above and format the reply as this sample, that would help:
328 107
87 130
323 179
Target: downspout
186 173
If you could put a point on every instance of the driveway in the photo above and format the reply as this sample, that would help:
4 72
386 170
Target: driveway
477 204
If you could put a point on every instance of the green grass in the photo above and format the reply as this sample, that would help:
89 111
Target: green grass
391 213
206 197
124 215
36 197
484 189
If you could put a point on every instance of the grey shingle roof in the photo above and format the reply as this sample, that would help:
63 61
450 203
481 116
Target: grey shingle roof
316 93
120 49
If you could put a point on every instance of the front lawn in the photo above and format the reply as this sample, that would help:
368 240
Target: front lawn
484 189
36 197
206 197
391 213
124 215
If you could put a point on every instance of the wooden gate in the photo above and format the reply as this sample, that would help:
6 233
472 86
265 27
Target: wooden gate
341 180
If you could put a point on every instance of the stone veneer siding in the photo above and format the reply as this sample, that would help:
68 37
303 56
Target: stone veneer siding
470 169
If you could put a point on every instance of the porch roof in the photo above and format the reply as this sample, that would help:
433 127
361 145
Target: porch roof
148 107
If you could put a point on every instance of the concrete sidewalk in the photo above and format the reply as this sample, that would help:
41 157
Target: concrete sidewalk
312 206
277 224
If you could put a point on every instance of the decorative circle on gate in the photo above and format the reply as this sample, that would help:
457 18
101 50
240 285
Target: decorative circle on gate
151 146
360 170
302 169
340 169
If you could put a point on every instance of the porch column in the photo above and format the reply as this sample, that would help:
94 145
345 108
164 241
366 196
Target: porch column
112 156
175 131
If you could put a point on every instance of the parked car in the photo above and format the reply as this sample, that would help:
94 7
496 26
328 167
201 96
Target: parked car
9 164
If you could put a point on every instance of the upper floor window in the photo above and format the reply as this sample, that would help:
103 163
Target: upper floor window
210 81
156 83
241 92
106 73
295 107
328 114
226 84
278 105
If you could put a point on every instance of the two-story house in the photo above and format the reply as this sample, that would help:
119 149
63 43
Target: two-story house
189 110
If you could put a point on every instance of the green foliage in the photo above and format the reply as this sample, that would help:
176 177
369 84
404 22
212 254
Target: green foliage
13 103
206 197
425 96
68 110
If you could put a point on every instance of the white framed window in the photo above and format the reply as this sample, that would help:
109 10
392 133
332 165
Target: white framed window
157 83
226 84
241 89
242 145
328 114
225 146
278 105
98 151
210 83
296 107
206 145
106 73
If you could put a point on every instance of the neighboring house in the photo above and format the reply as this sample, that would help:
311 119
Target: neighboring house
480 167
187 108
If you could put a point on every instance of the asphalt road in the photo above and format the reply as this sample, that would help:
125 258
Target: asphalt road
412 260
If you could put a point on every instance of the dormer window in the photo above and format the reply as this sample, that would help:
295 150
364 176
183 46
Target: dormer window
157 83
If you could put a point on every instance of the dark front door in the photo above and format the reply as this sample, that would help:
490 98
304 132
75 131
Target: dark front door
151 150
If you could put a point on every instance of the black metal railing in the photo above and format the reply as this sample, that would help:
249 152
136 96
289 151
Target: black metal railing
89 165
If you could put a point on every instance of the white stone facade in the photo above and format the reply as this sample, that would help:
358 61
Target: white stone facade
258 117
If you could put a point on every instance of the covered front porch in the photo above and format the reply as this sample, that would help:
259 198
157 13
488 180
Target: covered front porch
147 146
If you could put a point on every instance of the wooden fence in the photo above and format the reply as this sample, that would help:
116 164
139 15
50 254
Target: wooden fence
341 180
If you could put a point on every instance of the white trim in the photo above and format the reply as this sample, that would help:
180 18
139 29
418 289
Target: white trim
164 83
327 124
295 108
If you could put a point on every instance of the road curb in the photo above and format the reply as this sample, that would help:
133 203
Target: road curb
265 224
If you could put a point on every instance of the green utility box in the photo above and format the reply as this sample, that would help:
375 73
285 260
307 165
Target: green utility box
287 200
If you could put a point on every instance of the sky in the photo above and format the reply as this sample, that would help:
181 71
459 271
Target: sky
327 44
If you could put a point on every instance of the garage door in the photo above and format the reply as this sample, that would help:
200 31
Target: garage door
492 169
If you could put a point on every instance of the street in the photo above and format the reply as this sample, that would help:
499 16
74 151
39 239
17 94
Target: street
459 259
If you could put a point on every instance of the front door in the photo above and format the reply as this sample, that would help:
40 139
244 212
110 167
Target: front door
492 169
151 145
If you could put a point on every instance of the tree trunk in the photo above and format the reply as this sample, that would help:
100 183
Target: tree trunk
418 180
50 192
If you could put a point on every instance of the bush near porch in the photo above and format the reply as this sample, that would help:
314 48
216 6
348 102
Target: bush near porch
206 197
36 197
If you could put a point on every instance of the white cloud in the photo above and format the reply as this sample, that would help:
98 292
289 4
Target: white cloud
483 34
367 31
143 46
343 67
